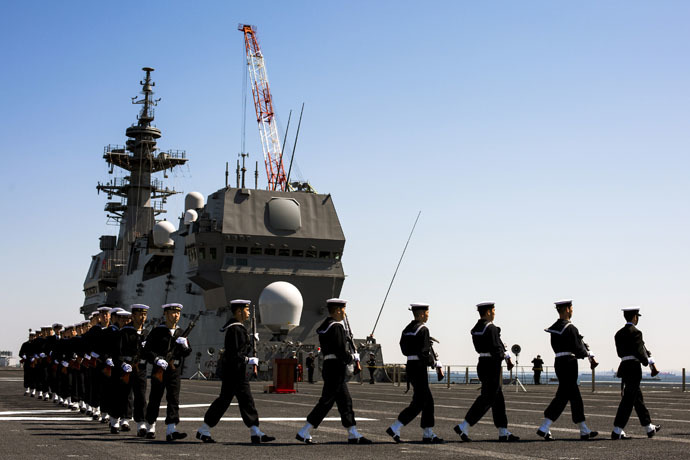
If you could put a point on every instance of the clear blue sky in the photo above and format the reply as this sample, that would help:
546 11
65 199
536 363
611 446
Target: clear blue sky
545 143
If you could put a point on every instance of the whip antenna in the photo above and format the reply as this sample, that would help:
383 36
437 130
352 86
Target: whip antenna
396 272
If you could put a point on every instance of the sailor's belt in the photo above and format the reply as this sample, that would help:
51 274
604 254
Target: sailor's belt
629 358
127 359
331 356
176 362
413 358
561 354
142 361
485 355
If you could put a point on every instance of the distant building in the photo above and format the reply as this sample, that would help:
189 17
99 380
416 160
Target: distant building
7 360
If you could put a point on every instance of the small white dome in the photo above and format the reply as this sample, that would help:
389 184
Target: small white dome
161 234
190 216
280 305
194 200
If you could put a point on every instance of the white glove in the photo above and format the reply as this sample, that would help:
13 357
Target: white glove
126 367
160 362
651 360
42 355
87 357
23 356
143 344
33 359
182 341
355 357
109 362
507 356
65 364
253 361
438 365
256 336
95 355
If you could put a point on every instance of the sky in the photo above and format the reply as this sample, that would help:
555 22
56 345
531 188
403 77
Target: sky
545 144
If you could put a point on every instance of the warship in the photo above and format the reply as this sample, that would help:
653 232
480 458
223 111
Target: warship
281 249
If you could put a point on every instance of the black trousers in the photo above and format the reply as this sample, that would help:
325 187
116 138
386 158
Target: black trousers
27 375
64 382
422 400
568 391
310 374
171 387
537 377
235 385
95 380
77 389
42 375
138 384
334 391
631 374
491 396
371 374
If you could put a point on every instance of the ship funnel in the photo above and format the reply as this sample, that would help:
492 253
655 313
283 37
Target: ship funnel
280 306
161 234
193 200
190 216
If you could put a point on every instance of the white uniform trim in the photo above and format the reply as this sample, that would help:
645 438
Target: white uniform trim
330 325
563 353
629 358
551 331
483 330
415 332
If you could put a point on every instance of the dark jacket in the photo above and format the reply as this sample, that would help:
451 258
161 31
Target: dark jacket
566 338
333 341
415 340
486 337
629 343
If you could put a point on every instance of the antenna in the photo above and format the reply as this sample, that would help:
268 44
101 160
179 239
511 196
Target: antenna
396 272
226 174
294 146
244 170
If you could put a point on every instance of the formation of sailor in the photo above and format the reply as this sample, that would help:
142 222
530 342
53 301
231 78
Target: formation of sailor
486 337
165 348
568 347
339 351
633 354
415 344
99 367
238 354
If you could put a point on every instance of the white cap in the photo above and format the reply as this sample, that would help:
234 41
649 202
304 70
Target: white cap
172 306
57 325
564 302
486 304
138 306
240 302
335 301
113 311
419 306
637 309
123 313
103 309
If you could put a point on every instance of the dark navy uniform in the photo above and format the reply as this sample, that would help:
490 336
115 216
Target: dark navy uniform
159 343
568 347
336 358
415 343
486 338
91 344
631 349
26 353
130 351
235 381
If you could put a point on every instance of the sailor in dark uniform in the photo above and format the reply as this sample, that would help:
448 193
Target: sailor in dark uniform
119 392
51 345
238 354
133 369
487 342
633 353
25 354
415 343
88 363
310 367
537 368
43 362
109 353
568 346
95 344
338 353
166 341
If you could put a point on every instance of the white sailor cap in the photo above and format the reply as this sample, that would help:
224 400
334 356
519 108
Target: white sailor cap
46 328
239 303
57 326
484 305
113 311
124 313
139 306
418 306
636 310
336 301
564 303
172 307
103 309
93 314
84 323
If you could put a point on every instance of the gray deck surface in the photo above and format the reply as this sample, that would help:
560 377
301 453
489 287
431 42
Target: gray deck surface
37 429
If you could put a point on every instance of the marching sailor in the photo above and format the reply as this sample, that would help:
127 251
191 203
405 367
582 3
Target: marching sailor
568 346
238 351
492 352
26 354
333 339
133 366
633 353
415 343
165 348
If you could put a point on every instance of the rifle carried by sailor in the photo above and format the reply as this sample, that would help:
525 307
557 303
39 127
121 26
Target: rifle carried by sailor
253 340
439 370
172 353
137 357
351 343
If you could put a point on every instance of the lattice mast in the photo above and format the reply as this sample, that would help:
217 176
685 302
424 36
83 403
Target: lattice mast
265 115
141 158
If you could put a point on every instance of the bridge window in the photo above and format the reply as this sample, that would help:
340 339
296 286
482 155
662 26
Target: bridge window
298 253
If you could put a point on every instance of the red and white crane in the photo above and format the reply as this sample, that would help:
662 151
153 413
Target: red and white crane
265 115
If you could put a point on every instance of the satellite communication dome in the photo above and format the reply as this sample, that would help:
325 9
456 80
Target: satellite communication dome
280 306
193 200
190 216
161 234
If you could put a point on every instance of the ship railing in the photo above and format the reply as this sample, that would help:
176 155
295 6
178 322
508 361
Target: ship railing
176 153
113 148
112 268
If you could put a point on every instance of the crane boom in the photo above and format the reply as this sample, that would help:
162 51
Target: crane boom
265 116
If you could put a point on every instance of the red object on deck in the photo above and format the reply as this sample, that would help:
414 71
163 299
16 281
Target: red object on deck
284 375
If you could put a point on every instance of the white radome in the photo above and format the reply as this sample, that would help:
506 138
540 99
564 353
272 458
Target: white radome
194 200
280 306
190 216
161 234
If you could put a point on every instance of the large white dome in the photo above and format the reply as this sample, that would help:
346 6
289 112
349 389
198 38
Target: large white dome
161 234
193 200
280 305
